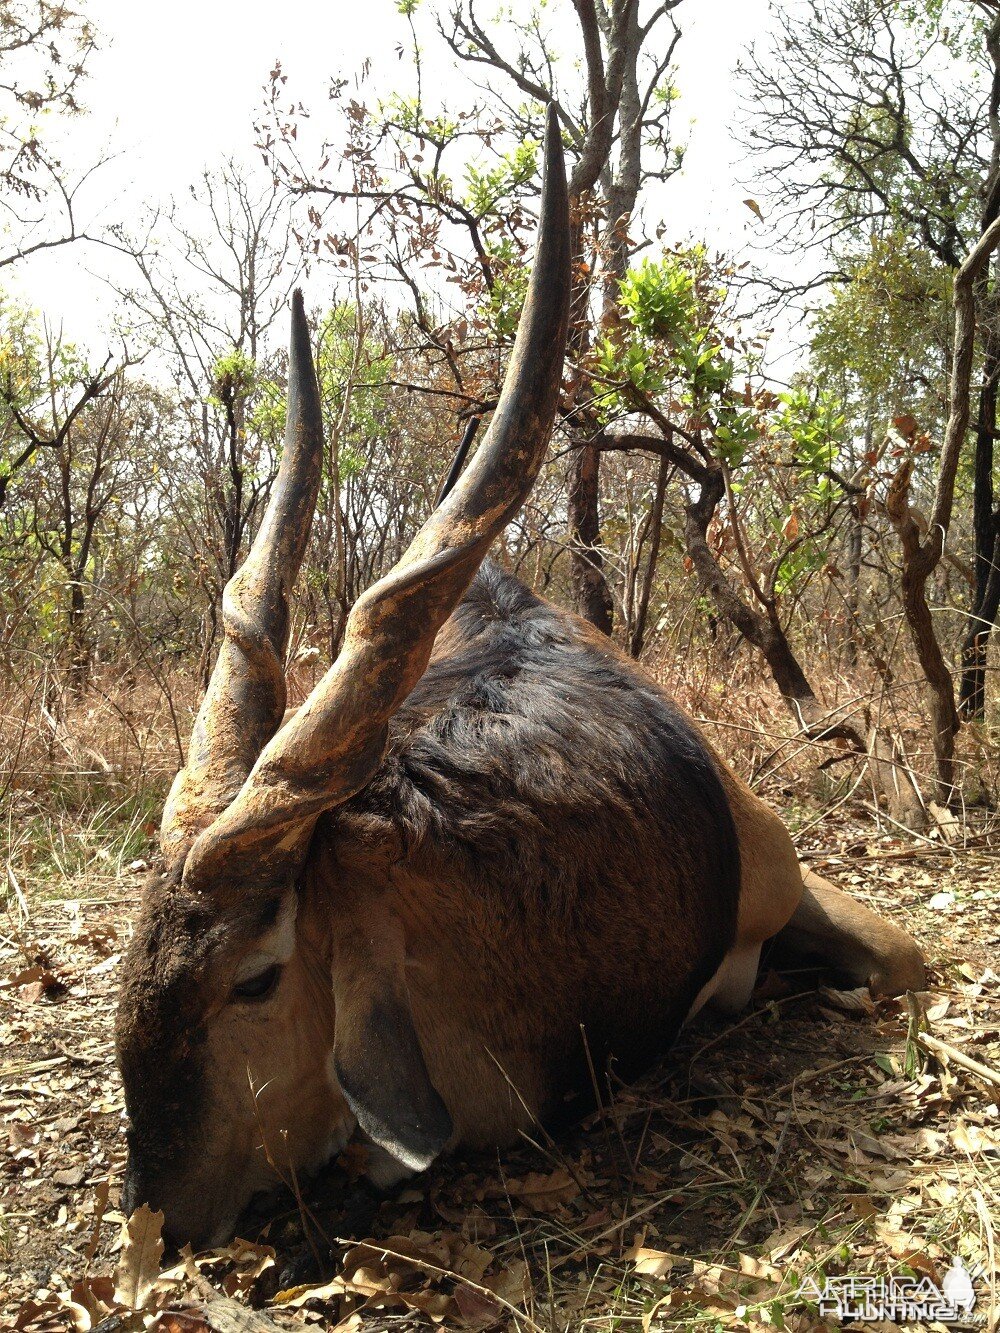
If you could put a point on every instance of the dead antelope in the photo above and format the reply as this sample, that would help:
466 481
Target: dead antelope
483 829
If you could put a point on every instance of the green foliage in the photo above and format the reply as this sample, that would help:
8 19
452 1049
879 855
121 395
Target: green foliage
671 341
812 425
659 297
501 308
407 114
29 373
884 335
486 189
953 23
343 366
35 380
20 353
257 404
234 378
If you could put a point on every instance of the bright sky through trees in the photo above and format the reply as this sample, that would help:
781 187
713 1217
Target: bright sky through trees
173 90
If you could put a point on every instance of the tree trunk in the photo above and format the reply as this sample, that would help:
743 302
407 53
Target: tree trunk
854 549
891 776
591 594
985 518
79 643
986 530
641 613
918 563
764 631
921 556
977 636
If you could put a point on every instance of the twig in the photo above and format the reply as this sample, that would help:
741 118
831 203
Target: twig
19 898
554 1154
373 1247
935 1046
811 1074
613 1156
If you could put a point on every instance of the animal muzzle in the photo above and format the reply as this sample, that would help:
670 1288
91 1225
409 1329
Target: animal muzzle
192 1216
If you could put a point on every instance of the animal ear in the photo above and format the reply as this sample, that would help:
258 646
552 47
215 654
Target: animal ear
376 1053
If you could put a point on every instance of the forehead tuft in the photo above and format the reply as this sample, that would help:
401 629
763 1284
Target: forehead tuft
159 1030
168 983
164 963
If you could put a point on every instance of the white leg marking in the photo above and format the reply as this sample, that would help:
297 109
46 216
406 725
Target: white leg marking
732 985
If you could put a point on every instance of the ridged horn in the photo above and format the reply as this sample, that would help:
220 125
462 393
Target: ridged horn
245 700
335 742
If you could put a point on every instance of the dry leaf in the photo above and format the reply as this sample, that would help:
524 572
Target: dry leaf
513 1285
139 1266
294 1297
90 1302
477 1307
906 425
972 1139
545 1192
182 1323
650 1263
857 1001
783 1242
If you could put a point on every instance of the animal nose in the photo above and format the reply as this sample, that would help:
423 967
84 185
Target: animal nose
131 1189
136 1191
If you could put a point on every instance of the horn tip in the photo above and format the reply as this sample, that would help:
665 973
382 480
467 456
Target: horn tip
553 139
552 152
300 325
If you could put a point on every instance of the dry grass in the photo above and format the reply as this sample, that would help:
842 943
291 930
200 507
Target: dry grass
82 780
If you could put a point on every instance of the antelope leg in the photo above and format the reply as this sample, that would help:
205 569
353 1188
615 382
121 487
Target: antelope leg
831 925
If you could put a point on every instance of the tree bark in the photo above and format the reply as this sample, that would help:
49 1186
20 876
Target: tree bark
764 631
921 555
591 594
79 641
985 516
614 95
641 612
919 560
986 531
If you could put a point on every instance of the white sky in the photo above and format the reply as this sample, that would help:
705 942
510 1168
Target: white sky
175 88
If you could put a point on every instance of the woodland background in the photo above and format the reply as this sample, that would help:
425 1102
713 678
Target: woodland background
735 529
778 492
765 541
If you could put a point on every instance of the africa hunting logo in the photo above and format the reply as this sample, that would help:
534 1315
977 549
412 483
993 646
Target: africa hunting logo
899 1299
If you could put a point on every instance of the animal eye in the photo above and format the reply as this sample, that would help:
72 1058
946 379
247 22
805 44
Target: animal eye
258 987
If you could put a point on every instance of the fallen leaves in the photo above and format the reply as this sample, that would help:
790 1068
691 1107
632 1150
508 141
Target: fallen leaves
545 1191
139 1265
392 1275
650 1263
34 983
807 1137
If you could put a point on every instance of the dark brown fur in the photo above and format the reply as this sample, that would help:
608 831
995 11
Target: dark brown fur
554 786
548 845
